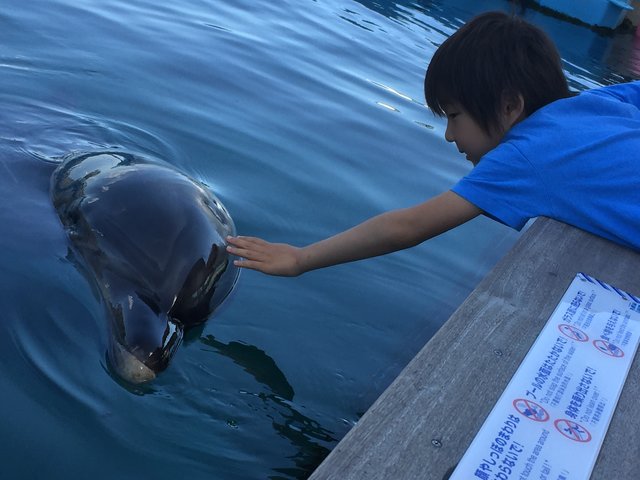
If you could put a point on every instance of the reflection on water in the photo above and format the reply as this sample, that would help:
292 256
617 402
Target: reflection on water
623 55
255 362
303 432
615 54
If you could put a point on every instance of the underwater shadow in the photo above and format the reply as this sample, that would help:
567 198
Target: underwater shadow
304 433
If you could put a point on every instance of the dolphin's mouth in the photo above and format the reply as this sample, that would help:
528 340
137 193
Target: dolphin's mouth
143 363
128 366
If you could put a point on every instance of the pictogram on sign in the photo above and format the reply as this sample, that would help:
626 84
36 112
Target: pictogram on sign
608 348
573 333
572 430
531 410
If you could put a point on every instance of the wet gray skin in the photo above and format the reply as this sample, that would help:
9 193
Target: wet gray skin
153 240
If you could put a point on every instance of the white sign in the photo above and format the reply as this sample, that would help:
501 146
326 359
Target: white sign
552 418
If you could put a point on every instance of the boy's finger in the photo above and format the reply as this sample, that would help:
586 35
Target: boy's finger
245 241
240 252
252 265
247 253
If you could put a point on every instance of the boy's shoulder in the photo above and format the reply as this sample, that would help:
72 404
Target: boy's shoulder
558 130
628 92
599 107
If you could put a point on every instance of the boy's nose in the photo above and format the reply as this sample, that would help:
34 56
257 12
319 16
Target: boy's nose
448 134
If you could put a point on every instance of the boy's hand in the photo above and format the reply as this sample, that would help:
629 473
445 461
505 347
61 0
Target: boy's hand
272 258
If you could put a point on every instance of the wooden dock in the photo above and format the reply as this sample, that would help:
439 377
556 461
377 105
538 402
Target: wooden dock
423 423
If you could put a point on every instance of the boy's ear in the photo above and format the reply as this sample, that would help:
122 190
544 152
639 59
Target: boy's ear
512 110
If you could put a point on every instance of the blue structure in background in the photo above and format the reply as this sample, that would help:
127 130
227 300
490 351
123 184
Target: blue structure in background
602 13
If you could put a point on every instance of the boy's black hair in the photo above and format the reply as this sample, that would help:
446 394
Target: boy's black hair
491 59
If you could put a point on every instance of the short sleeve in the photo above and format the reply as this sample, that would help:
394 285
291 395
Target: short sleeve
505 186
624 92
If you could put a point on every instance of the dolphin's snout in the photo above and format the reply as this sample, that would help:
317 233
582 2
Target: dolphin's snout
128 366
138 356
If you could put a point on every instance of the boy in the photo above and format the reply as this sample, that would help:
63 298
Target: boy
537 150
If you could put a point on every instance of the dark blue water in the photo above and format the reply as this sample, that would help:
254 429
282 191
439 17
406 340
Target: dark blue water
304 117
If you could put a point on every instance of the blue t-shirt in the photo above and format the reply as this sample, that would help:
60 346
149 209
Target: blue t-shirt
576 160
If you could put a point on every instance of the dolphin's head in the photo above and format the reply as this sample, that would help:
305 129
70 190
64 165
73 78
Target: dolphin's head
154 241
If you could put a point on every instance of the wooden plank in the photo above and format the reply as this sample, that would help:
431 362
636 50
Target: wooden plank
423 423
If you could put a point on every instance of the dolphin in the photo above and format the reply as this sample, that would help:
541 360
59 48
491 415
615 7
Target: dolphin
153 240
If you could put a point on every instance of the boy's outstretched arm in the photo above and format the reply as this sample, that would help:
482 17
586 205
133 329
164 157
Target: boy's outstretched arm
385 233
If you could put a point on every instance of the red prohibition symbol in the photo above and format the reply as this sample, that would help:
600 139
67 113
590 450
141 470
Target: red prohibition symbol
573 333
572 430
531 410
608 348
